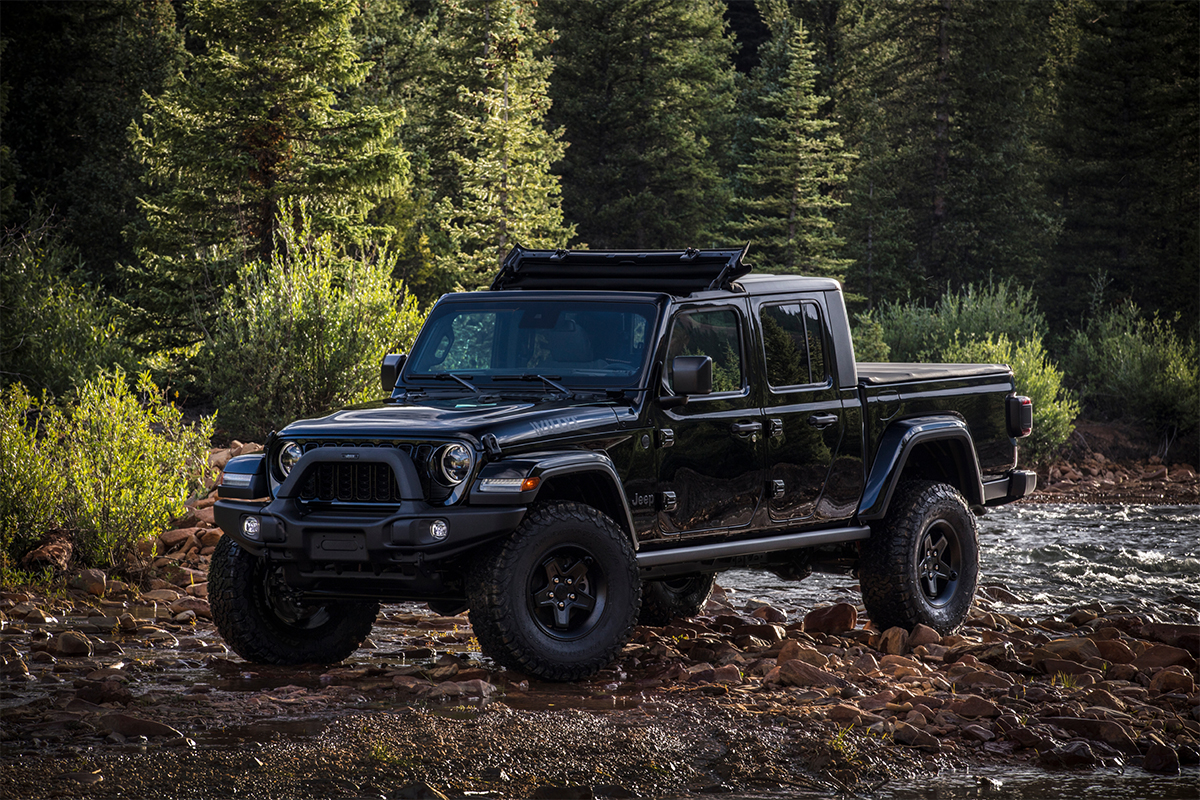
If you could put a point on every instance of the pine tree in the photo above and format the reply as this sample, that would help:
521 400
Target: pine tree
645 91
508 195
938 98
1124 155
797 160
255 121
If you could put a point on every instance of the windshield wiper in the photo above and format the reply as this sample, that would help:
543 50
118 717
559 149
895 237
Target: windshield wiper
529 376
445 376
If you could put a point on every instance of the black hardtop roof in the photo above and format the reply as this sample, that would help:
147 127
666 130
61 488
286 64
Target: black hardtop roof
674 272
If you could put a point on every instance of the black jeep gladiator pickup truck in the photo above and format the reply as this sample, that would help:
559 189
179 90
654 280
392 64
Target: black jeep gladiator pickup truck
584 446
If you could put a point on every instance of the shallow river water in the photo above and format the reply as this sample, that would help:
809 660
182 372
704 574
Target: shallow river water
1051 557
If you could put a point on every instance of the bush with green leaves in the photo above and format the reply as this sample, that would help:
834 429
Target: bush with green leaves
869 341
304 333
32 479
918 333
113 469
1054 409
56 333
1125 365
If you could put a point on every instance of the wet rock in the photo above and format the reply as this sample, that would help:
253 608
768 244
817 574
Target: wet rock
914 736
477 688
1111 733
980 679
105 692
14 669
1163 655
831 619
894 641
769 614
92 581
973 706
127 623
923 635
1078 649
977 733
84 778
128 725
1161 758
1069 755
71 643
1184 636
793 649
197 605
764 632
1173 680
1115 651
160 596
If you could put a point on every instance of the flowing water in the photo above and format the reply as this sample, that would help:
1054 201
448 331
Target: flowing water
1051 557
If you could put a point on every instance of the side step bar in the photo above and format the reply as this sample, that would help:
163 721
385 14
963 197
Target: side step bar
746 547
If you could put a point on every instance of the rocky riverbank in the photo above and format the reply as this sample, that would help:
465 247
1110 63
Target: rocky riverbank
108 688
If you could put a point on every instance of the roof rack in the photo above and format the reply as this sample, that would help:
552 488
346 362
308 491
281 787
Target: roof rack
676 272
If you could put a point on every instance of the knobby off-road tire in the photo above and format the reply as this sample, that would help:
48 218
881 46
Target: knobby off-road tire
922 564
266 623
666 600
557 599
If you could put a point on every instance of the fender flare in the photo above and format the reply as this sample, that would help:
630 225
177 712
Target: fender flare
895 447
545 466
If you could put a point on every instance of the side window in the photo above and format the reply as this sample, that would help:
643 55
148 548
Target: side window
709 333
794 345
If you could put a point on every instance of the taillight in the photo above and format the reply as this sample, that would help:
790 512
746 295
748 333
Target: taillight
1020 416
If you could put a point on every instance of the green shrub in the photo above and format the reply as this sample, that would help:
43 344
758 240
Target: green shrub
1124 365
1054 409
917 333
55 334
32 479
304 333
111 471
130 465
869 343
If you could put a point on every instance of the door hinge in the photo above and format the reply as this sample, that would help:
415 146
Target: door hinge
666 437
776 427
668 501
777 489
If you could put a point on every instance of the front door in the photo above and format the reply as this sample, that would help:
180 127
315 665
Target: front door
711 449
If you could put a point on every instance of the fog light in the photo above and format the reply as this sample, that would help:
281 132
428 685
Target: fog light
251 528
438 529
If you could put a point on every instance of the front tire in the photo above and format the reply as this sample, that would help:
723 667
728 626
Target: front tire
263 621
559 598
922 566
669 599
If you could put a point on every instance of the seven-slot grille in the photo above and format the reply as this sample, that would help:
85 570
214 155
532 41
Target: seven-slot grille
360 482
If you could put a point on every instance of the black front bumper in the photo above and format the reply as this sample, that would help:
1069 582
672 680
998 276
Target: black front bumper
361 552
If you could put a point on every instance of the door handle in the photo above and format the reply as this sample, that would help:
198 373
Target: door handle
744 428
819 421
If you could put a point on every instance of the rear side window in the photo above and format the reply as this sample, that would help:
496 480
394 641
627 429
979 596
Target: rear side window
794 344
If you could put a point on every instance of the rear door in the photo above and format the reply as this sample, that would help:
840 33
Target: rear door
803 417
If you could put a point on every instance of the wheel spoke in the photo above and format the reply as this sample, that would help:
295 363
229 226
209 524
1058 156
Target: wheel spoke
566 590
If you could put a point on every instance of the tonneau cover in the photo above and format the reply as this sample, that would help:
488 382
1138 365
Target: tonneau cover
874 373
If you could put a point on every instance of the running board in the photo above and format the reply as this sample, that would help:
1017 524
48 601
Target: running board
746 547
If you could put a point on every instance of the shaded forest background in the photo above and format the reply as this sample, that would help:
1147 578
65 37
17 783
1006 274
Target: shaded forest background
252 201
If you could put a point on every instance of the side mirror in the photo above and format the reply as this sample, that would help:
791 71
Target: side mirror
691 375
389 370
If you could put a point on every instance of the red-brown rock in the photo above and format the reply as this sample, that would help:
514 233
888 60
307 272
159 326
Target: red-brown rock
923 634
1115 651
1163 655
1173 680
798 673
972 706
831 619
894 641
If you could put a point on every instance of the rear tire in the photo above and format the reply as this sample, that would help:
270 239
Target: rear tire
922 565
667 600
558 599
265 622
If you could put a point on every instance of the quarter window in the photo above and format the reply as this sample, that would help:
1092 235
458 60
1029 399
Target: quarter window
795 347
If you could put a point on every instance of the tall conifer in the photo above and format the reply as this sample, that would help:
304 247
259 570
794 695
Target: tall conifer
797 161
255 120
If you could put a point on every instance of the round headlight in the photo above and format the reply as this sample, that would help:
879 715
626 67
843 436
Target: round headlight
289 454
453 463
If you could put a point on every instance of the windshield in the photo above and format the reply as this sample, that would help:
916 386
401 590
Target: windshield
579 342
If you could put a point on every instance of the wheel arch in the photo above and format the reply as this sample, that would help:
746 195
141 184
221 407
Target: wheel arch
935 448
579 476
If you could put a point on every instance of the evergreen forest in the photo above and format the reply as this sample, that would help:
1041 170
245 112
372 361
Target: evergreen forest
251 201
